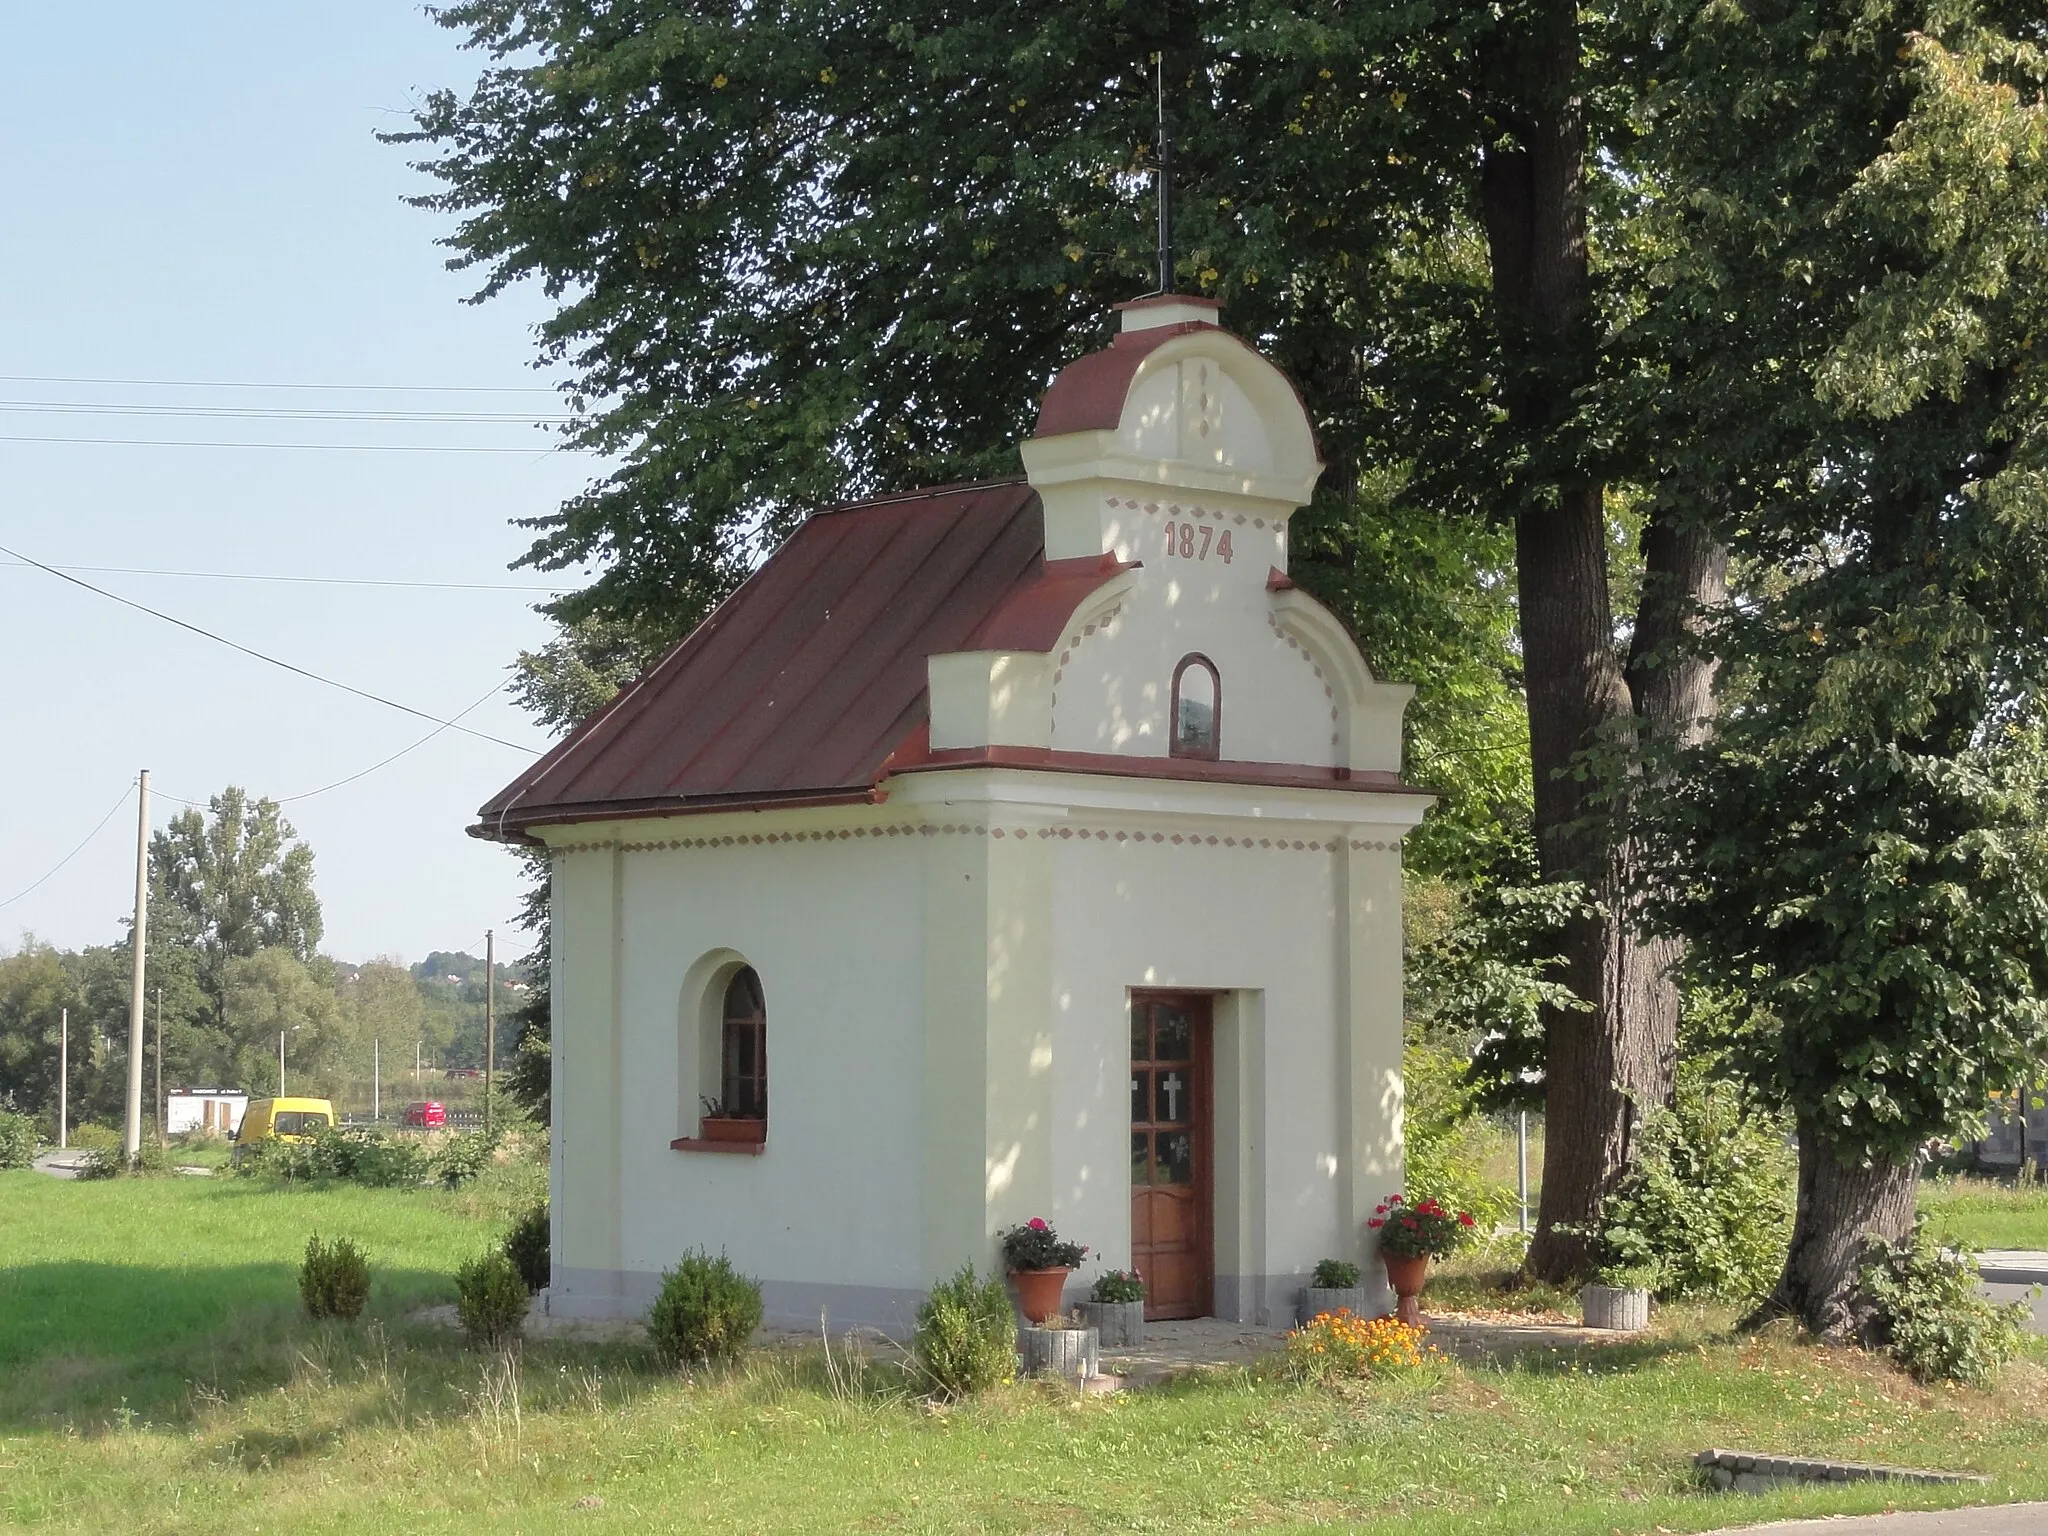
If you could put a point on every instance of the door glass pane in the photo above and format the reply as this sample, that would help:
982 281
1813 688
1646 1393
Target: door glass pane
1176 1158
1141 1161
1170 1097
1173 1035
1141 1098
1141 1031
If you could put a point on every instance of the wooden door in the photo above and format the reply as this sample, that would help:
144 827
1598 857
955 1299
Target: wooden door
1171 1154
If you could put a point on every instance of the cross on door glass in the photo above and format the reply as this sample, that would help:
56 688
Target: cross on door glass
1170 1097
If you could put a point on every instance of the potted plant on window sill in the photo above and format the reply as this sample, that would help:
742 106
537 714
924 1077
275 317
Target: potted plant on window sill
717 1125
1039 1262
1336 1286
1116 1307
1410 1236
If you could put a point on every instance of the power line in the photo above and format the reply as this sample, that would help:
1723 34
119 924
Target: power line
273 412
160 442
232 645
494 689
324 581
392 389
74 853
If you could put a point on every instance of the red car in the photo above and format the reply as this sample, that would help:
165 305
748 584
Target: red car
425 1115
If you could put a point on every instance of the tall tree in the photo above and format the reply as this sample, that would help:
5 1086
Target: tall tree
273 995
234 882
35 988
808 249
1857 282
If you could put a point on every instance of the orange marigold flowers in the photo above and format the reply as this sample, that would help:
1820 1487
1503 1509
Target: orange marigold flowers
1341 1343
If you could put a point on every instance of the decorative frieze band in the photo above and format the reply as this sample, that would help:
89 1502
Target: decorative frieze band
974 829
1175 509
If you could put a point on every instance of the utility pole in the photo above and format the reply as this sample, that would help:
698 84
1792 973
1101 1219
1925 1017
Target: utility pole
159 1111
415 1065
376 1079
280 1063
1522 1168
64 1082
490 1019
131 1135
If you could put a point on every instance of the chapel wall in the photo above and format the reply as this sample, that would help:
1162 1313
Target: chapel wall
1270 929
828 1213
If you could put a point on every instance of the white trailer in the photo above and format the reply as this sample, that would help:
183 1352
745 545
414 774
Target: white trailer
204 1109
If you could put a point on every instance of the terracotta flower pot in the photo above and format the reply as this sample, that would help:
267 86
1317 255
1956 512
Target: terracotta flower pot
1407 1274
1038 1292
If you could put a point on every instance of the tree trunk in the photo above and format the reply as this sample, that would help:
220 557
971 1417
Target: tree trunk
1842 1206
1604 1063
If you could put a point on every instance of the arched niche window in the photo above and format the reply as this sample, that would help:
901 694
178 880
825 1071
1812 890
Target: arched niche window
743 1049
1197 707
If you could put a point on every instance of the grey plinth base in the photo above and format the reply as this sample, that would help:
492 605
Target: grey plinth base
1327 1298
1747 1472
1610 1307
1120 1323
1068 1352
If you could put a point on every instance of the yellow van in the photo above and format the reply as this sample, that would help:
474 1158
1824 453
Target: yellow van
283 1120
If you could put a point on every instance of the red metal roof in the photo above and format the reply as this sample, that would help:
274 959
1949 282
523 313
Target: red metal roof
804 682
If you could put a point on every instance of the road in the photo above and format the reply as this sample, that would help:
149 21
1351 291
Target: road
1994 1520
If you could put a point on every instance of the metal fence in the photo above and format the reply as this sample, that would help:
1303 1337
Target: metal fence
458 1120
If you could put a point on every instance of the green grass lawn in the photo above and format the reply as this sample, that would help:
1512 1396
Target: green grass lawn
155 1375
1987 1212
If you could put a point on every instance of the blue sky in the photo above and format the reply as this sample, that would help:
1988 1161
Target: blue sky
196 195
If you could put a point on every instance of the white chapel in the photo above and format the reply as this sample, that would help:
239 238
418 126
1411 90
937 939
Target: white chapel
1029 848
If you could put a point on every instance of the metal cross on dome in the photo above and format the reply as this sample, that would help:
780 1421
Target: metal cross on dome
1163 174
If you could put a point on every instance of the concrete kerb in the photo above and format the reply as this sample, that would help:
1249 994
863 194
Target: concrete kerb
1751 1472
2013 1266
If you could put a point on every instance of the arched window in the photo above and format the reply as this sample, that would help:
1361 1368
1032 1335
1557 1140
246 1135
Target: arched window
1197 707
743 1049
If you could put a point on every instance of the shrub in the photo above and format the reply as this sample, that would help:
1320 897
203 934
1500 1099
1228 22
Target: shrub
706 1312
367 1158
490 1301
292 1161
1341 1343
94 1137
1335 1275
17 1140
1705 1210
966 1339
463 1156
107 1163
526 1245
1035 1245
334 1280
99 1163
1929 1316
1118 1285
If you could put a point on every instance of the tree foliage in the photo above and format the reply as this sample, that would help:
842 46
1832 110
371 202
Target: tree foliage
1853 292
234 881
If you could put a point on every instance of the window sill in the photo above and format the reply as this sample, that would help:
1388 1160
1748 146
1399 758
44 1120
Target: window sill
703 1144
